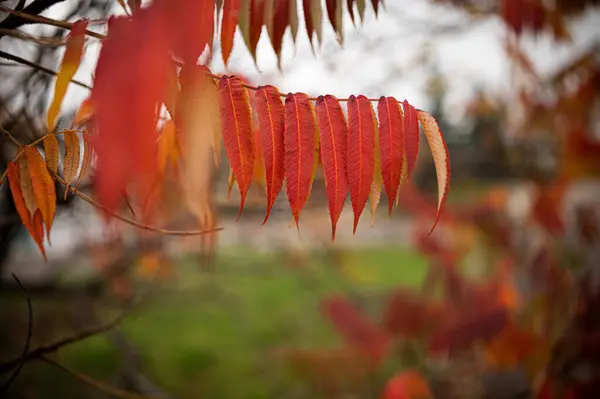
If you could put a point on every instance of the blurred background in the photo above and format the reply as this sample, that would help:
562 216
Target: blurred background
238 314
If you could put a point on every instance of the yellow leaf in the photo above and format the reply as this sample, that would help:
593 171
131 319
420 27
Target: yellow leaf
51 153
70 64
441 159
43 187
84 113
71 158
377 184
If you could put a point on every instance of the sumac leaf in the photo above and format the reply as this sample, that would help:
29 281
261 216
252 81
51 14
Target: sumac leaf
361 152
300 150
411 136
51 152
72 151
271 119
228 25
333 133
391 141
441 159
236 122
43 187
68 67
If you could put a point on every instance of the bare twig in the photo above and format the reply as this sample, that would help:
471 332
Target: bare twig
10 136
44 41
119 393
27 340
20 60
14 21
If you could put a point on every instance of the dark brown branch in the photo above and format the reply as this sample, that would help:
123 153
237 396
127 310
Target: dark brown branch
35 8
28 63
27 340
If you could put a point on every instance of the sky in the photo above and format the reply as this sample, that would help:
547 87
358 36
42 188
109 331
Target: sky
391 55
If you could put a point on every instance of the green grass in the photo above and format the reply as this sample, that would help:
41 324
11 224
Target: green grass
212 335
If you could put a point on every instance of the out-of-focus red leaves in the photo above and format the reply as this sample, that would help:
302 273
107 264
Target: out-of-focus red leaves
129 85
356 328
546 208
410 316
466 331
407 385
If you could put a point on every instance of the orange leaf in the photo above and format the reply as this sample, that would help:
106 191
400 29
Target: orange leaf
84 113
51 151
271 117
14 181
236 120
168 150
441 159
228 25
68 67
361 152
300 146
407 385
26 185
43 187
411 136
391 140
333 133
72 151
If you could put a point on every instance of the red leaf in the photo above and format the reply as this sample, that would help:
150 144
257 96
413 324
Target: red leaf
333 134
411 136
476 327
191 27
278 19
355 327
334 12
257 20
130 82
236 121
407 385
361 152
300 146
271 118
391 142
410 316
228 25
441 159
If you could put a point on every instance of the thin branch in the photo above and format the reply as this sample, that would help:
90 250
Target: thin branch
119 393
44 41
27 340
15 21
20 60
44 350
33 17
132 221
10 136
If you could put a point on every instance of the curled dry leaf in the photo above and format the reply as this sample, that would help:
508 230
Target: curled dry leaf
51 152
333 133
361 152
300 147
271 119
441 159
391 140
236 121
86 162
72 151
68 67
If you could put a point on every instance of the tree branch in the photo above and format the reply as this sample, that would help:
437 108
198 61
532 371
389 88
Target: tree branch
37 7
